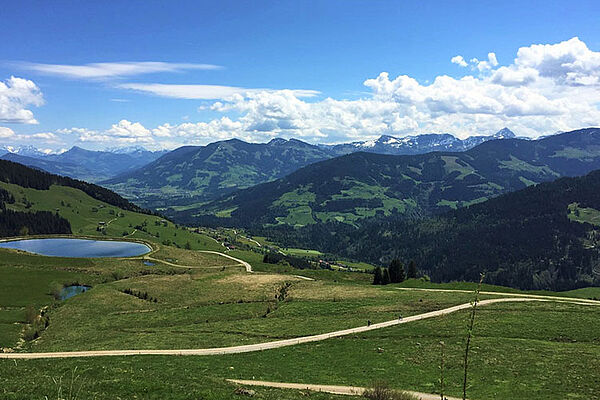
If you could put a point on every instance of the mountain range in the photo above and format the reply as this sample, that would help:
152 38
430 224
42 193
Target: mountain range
360 186
418 144
196 174
79 163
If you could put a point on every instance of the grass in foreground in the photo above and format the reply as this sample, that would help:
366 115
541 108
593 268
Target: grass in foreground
520 351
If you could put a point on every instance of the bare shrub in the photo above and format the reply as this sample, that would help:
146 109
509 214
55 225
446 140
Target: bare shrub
381 391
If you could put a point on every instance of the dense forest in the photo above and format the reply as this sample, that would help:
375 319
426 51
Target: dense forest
21 175
523 239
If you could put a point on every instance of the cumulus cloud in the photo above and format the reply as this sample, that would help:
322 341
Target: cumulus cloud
459 60
6 133
16 94
201 92
547 88
113 69
48 136
570 62
127 129
122 133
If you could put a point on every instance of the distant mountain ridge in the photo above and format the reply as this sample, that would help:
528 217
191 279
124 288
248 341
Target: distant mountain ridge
79 163
360 186
417 144
194 174
200 173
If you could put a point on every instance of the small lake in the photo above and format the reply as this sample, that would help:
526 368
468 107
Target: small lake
69 291
148 263
77 248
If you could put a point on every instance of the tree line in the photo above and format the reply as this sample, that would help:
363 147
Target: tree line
395 273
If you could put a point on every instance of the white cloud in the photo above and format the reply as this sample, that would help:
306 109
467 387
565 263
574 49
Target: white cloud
459 60
569 62
126 129
122 133
16 94
547 88
6 133
113 69
49 136
201 92
485 65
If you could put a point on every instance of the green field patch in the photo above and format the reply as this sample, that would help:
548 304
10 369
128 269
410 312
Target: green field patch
451 164
587 153
527 182
302 252
226 213
299 197
583 214
297 216
516 164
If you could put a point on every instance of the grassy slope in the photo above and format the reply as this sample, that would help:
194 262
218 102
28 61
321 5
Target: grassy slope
84 220
519 349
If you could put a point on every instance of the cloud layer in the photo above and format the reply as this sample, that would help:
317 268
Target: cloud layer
546 88
201 92
113 70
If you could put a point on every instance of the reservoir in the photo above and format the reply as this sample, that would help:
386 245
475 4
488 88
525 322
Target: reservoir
78 248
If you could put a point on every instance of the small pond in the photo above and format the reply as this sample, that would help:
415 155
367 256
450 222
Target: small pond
69 291
78 248
148 263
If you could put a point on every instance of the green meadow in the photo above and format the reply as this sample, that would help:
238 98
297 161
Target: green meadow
193 299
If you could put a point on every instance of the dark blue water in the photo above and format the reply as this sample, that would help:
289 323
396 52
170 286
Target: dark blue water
69 291
79 248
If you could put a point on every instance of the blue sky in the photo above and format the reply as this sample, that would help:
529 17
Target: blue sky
291 69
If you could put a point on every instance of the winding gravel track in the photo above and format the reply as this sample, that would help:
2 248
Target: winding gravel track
285 342
244 263
333 389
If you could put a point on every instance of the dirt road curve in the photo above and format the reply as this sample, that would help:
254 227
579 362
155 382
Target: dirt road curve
344 390
244 263
280 343
237 260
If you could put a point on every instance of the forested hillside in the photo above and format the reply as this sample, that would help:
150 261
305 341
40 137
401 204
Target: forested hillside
32 222
543 237
14 223
11 172
360 186
193 173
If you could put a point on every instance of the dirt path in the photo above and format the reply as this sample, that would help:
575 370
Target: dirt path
285 342
158 260
344 390
506 294
306 278
244 263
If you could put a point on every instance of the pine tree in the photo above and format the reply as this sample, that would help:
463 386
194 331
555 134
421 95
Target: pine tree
412 270
385 278
377 276
396 271
401 275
